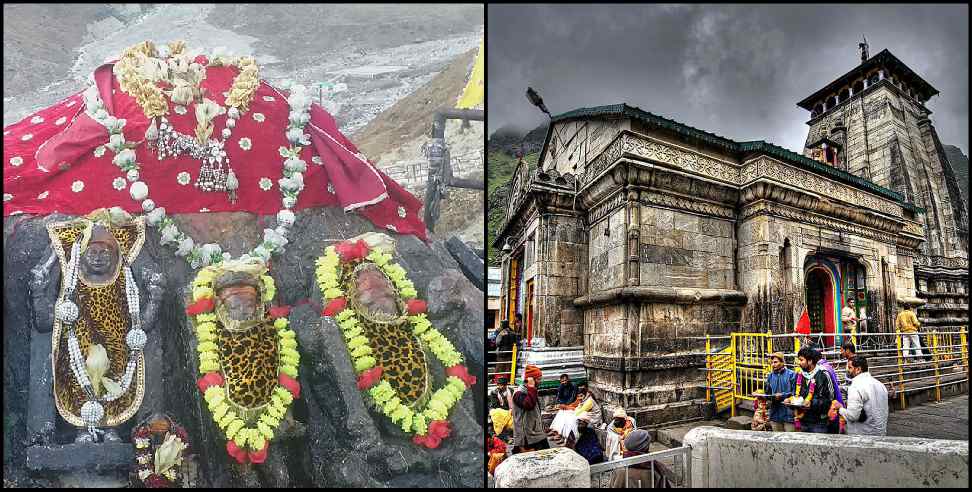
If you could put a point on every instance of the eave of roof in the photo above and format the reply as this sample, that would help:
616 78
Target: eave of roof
883 58
732 147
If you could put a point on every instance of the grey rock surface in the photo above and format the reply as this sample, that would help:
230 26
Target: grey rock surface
554 468
330 437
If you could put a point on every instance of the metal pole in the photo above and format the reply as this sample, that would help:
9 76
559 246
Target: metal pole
897 334
938 379
732 354
708 367
513 368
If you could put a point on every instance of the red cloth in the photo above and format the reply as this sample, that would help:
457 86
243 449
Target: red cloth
61 140
803 326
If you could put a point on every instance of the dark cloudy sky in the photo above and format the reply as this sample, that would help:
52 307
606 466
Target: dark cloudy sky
736 71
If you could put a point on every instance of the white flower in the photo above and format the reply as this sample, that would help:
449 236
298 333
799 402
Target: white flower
169 232
316 160
245 143
210 252
259 118
282 230
124 158
185 246
37 119
180 110
148 205
294 183
266 184
7 197
227 132
27 137
183 178
115 125
294 135
155 216
118 183
273 237
115 143
118 214
132 175
401 212
99 151
43 195
100 115
77 186
195 263
289 202
262 252
295 164
16 161
227 256
233 113
61 120
330 188
286 218
230 123
269 98
139 191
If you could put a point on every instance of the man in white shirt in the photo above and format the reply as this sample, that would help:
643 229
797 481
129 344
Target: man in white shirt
867 401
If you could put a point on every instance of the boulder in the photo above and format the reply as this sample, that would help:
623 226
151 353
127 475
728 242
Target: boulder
548 468
330 437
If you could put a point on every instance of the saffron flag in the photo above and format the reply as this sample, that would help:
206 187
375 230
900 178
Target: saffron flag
803 326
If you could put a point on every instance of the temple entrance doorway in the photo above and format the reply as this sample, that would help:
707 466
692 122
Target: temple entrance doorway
823 300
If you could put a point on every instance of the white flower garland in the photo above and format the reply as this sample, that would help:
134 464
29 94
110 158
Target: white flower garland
291 185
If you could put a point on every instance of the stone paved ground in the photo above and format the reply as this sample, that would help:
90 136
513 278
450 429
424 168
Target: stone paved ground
948 419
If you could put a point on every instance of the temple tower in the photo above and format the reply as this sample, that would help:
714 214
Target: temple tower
872 122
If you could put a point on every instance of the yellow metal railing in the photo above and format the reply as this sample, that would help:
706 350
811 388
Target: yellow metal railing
735 372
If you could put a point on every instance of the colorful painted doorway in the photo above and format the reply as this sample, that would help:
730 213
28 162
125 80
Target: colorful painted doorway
823 299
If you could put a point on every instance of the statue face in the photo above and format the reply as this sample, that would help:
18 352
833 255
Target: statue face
99 260
376 293
240 301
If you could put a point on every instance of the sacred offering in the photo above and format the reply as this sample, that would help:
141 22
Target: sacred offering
247 355
166 131
161 447
388 335
98 337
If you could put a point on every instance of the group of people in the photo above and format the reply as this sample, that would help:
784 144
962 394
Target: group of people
517 421
813 400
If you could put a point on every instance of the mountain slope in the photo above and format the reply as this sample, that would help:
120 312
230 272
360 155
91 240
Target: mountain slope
960 164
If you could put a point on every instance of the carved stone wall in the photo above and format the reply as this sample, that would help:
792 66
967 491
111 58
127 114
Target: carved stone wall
562 276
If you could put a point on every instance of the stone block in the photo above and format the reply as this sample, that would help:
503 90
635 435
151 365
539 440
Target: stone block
664 221
665 255
739 422
686 222
70 457
548 468
715 227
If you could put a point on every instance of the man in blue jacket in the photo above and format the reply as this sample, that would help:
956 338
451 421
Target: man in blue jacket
780 384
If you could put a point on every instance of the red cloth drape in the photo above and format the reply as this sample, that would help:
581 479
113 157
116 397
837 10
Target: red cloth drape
803 326
50 162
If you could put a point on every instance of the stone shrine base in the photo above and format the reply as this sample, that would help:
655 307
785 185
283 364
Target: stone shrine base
83 465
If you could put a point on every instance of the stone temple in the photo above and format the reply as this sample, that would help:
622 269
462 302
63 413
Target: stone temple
635 235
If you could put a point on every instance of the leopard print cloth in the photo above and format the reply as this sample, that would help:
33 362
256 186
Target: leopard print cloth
249 362
399 353
103 320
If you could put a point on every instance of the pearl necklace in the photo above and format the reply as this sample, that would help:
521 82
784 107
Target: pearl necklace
67 311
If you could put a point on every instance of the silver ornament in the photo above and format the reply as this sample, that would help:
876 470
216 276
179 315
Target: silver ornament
136 339
66 311
92 412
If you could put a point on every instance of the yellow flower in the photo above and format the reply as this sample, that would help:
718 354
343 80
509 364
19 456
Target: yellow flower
289 370
364 363
284 395
227 419
206 317
333 293
265 430
234 428
201 293
280 323
208 366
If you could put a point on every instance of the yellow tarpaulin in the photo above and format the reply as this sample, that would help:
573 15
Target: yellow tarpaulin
472 94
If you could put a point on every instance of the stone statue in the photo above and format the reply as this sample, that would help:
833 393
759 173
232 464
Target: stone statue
93 363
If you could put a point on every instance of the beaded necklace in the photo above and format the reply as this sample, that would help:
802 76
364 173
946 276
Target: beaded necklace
67 311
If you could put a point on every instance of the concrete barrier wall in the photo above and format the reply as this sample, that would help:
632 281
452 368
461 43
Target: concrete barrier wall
733 458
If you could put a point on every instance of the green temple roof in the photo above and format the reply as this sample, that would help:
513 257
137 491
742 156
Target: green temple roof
732 147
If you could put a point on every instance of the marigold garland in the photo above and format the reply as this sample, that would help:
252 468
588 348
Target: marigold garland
430 425
245 444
